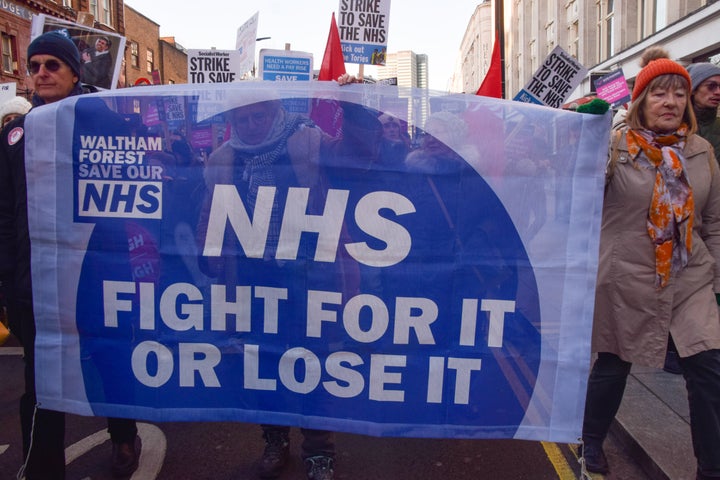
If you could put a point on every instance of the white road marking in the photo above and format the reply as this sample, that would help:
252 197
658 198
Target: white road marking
152 454
11 351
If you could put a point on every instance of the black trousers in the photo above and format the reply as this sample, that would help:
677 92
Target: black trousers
43 431
702 379
315 442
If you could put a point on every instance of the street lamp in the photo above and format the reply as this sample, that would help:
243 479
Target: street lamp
258 39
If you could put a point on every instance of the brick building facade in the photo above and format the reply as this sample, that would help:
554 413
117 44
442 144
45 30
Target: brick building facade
15 23
150 59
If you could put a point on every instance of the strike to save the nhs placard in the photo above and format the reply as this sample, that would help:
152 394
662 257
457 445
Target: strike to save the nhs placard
210 253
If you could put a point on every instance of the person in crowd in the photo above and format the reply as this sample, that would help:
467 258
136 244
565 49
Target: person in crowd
396 143
97 64
257 131
269 145
705 99
12 109
55 68
443 145
659 246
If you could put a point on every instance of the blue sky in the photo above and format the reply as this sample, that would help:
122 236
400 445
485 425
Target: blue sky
434 27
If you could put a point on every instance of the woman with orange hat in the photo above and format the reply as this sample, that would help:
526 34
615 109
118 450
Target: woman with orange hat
659 246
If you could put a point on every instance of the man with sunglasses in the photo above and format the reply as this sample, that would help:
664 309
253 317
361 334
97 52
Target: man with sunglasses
54 67
705 100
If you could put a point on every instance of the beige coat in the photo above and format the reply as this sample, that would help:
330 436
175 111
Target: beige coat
633 317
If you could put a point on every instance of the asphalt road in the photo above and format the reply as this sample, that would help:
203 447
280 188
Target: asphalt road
218 451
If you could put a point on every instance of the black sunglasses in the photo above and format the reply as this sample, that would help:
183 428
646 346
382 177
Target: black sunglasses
51 65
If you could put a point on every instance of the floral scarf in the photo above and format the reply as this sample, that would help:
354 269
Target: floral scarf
672 208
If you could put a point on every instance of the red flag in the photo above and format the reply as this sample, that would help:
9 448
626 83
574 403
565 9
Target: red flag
333 64
492 83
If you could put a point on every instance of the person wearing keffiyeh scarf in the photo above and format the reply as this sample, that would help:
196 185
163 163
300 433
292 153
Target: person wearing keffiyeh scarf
267 147
659 251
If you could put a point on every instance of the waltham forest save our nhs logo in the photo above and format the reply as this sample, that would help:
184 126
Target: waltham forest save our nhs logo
115 174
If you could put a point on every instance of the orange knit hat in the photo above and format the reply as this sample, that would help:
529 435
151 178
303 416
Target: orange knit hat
655 68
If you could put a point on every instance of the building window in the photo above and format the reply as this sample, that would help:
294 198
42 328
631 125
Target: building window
9 58
150 63
652 16
533 56
134 54
610 28
572 11
67 3
606 30
573 31
550 35
660 14
573 38
102 11
642 26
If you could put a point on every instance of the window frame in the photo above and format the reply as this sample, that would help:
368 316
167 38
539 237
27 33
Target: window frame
134 54
149 60
8 49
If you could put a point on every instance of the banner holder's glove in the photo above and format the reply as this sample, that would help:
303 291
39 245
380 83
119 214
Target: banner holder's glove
595 106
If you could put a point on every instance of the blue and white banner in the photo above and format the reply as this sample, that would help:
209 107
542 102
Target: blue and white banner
428 276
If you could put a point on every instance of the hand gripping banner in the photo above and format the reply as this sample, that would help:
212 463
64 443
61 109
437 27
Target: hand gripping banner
425 266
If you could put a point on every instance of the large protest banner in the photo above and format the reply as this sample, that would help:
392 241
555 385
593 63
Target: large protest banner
297 279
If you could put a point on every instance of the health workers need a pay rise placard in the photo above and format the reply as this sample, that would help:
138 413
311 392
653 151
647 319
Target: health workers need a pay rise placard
436 286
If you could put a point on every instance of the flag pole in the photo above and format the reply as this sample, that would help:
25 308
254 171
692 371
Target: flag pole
500 28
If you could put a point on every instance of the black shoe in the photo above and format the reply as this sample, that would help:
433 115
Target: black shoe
124 459
672 364
595 460
320 468
275 456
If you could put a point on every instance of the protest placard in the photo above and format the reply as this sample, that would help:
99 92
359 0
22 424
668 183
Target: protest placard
214 66
245 44
7 91
613 88
285 65
554 81
101 52
363 27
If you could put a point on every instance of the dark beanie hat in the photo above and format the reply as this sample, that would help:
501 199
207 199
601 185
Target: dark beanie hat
699 72
58 44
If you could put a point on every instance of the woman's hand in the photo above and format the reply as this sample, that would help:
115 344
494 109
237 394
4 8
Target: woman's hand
346 79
